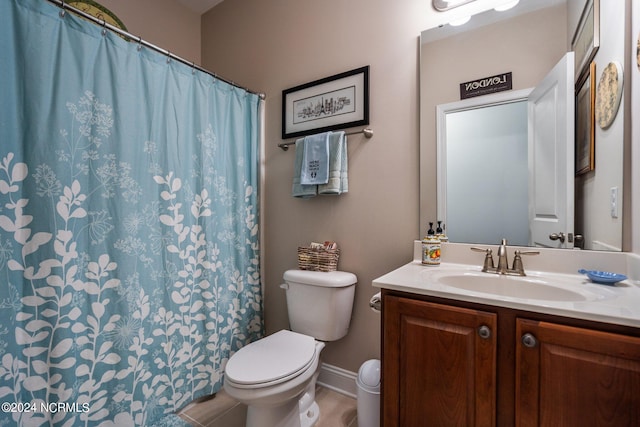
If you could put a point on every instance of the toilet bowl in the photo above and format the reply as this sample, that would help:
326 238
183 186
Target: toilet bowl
276 375
276 378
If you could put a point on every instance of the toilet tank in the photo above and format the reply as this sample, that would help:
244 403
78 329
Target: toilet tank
320 303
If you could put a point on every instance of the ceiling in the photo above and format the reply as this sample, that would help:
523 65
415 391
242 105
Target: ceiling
199 6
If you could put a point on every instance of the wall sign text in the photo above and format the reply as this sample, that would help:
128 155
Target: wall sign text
486 85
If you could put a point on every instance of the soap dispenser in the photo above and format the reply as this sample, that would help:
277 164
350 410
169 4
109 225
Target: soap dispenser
431 248
442 235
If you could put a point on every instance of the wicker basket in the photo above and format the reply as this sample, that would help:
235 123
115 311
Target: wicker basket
318 259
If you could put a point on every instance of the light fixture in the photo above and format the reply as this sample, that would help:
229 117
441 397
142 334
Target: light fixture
506 6
444 5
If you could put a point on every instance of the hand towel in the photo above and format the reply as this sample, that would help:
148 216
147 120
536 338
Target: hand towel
299 190
315 159
338 182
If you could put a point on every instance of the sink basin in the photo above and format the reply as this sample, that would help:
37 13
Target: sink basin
536 288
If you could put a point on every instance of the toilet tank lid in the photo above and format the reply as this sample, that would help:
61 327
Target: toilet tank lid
332 279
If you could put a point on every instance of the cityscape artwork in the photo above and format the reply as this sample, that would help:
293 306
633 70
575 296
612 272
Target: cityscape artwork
325 105
332 103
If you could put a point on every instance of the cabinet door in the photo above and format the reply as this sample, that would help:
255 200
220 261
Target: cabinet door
568 376
439 365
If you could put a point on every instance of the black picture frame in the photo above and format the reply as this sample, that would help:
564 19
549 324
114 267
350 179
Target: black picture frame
305 110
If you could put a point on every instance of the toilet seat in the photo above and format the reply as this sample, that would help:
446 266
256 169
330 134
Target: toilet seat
271 360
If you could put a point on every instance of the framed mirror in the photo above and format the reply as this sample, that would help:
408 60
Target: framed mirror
526 41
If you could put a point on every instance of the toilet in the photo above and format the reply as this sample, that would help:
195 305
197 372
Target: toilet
276 375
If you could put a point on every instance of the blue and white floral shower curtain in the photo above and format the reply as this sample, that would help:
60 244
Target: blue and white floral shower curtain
129 266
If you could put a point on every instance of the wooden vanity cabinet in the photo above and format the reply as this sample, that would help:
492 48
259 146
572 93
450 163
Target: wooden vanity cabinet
568 376
439 365
451 363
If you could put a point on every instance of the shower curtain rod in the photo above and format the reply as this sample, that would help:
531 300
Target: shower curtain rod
64 7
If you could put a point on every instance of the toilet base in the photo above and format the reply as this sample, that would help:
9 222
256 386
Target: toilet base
307 406
309 418
303 412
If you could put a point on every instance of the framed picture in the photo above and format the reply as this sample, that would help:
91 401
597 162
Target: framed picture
586 40
335 102
609 94
585 121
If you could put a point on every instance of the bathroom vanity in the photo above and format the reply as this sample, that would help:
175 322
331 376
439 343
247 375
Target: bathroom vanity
466 348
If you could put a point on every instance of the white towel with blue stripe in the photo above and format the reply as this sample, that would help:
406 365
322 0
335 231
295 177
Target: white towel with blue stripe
315 160
338 182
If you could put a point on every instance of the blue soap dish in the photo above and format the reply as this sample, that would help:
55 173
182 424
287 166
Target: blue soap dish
603 277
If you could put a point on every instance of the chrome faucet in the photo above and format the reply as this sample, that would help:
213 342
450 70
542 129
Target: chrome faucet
517 268
503 261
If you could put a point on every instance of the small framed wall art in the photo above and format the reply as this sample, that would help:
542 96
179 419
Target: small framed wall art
585 121
586 39
609 94
331 103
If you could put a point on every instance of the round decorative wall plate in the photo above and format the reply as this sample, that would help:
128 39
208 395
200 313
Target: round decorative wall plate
609 94
99 11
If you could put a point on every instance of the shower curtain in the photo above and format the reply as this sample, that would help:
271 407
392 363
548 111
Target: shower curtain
129 263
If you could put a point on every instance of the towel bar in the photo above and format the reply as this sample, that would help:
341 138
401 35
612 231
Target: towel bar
368 133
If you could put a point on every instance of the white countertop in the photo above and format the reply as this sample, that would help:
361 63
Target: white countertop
618 304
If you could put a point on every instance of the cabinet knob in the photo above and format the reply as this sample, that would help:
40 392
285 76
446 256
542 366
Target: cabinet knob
528 340
484 331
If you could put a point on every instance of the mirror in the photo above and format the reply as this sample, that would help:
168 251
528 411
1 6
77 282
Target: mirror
526 41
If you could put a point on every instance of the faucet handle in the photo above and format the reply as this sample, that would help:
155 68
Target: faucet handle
488 259
518 267
519 252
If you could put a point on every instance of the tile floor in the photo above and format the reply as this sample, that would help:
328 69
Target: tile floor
336 410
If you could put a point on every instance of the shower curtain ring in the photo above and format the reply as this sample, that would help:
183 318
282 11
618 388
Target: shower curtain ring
139 44
168 57
62 12
104 27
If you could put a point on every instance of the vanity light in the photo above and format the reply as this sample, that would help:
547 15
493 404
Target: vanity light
506 6
460 21
443 5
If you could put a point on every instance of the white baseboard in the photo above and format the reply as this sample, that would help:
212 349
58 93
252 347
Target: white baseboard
338 379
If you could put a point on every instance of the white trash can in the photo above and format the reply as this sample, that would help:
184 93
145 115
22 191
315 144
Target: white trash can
368 396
